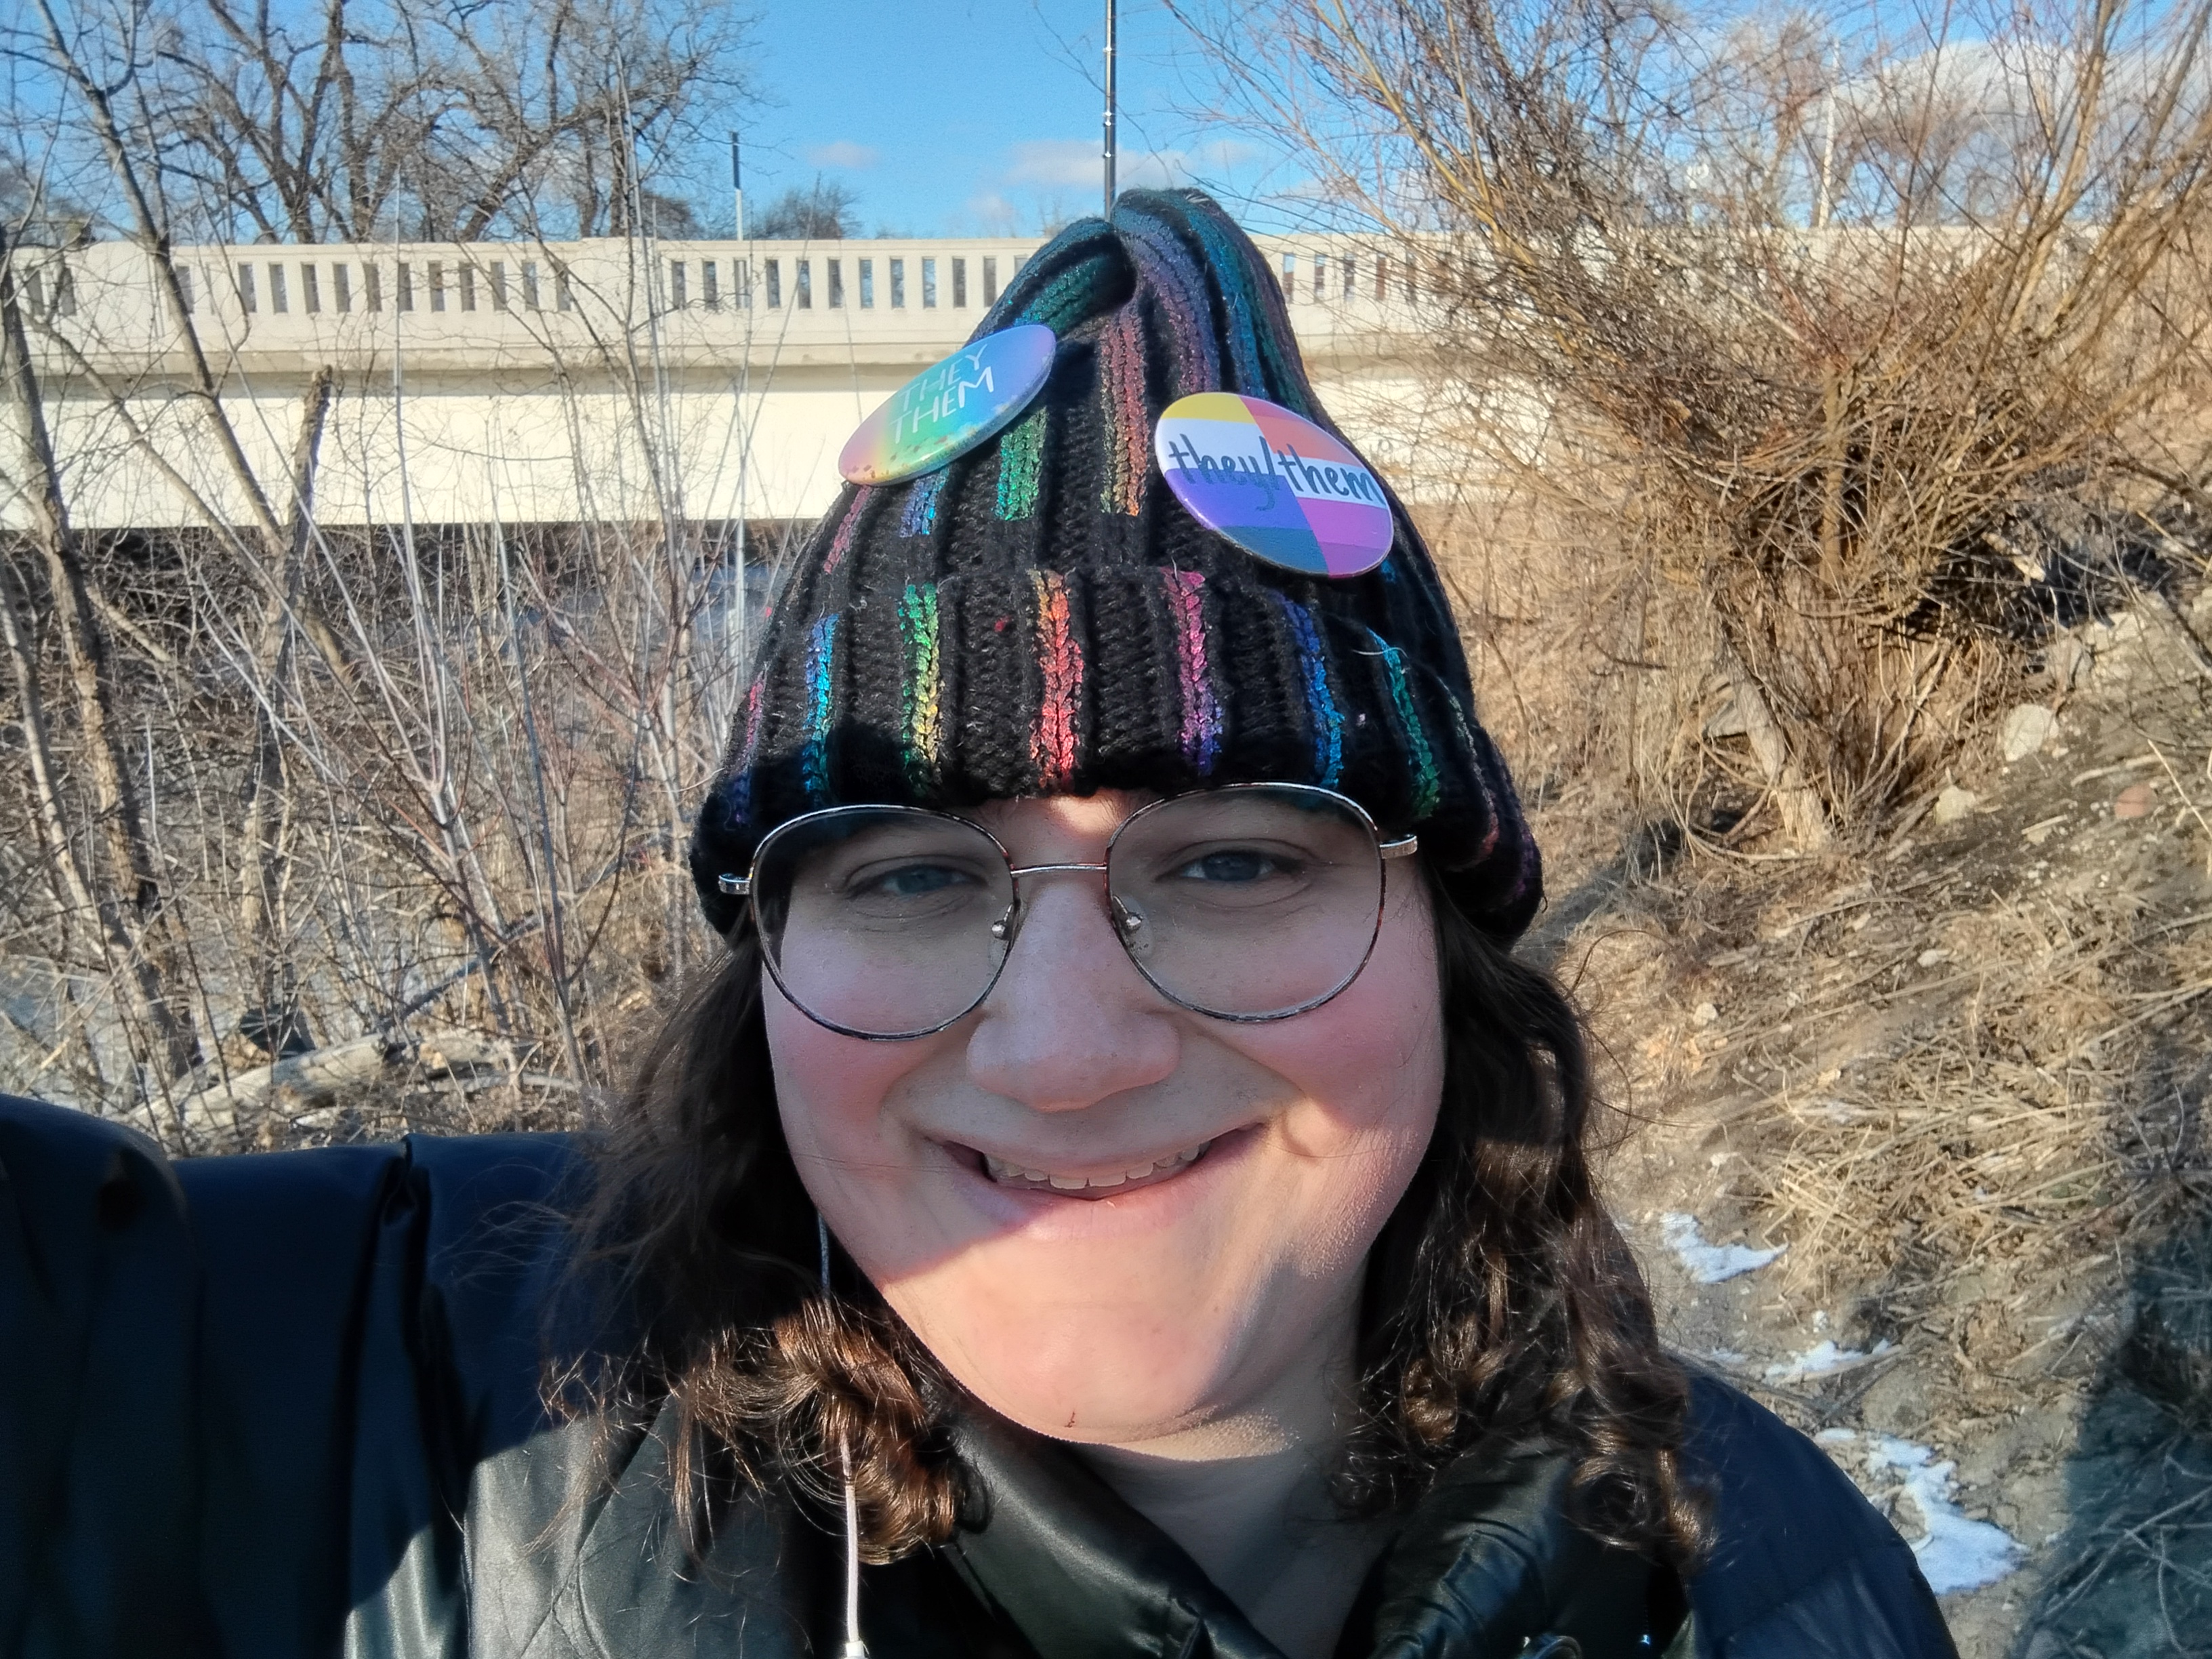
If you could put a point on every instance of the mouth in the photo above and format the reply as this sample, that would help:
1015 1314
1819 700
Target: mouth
1089 1183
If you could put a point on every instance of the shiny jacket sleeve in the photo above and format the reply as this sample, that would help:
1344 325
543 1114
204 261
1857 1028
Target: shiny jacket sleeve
371 1320
99 1467
242 1398
1802 1566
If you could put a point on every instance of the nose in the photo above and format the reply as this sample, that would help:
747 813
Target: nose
1070 1021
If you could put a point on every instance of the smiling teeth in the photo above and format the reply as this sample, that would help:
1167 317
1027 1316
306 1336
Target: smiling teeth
999 1170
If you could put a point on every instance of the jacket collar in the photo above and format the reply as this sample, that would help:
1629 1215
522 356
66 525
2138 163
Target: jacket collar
1079 1571
1484 1559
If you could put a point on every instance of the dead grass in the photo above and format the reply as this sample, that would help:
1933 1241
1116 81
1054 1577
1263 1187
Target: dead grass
1957 1070
2007 1136
1964 1077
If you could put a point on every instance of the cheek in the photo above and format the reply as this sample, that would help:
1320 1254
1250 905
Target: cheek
830 1092
1369 1066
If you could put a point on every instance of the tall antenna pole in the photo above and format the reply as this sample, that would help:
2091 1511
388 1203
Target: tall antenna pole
1110 10
737 186
1825 203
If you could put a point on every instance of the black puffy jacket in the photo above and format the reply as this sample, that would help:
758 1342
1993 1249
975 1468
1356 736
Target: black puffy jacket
288 1405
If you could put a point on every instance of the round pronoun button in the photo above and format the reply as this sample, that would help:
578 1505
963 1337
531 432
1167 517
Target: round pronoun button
1273 483
951 408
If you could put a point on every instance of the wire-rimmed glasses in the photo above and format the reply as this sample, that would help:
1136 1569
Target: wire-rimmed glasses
1245 902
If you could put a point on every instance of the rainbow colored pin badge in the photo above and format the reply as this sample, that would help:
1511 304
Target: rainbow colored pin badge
1274 484
946 411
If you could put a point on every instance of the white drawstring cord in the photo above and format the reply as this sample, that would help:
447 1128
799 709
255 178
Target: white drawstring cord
854 1647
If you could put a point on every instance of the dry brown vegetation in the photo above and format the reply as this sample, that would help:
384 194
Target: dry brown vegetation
1819 323
307 819
1964 1081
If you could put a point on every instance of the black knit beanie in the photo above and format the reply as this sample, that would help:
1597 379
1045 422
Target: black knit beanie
1043 615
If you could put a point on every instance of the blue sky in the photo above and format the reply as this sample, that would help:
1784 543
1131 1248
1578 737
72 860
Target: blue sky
974 117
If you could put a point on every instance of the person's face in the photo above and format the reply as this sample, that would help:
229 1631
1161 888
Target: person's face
1121 1314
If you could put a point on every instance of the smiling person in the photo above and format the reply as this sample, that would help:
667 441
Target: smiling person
1119 1193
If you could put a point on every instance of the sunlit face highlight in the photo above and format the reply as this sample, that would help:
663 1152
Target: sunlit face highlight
1111 1218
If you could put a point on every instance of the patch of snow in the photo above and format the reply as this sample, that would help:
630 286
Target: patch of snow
1955 1552
1821 1359
1711 1264
1728 1357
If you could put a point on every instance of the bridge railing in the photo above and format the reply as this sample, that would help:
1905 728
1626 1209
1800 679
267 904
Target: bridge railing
482 303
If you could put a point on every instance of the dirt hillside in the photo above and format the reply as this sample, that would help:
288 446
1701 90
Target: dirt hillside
1915 1148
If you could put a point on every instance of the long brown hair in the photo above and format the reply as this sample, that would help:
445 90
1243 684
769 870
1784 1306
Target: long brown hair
1500 1300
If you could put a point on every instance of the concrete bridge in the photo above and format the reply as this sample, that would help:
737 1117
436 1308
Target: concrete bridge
603 380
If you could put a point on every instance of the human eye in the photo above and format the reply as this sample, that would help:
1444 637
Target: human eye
1235 865
907 881
918 880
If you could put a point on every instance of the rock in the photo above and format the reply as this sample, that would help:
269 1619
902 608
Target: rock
2132 802
1954 803
1933 955
2026 728
1703 1014
2119 643
1965 1290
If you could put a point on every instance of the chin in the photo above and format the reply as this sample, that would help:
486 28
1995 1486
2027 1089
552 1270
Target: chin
1079 1372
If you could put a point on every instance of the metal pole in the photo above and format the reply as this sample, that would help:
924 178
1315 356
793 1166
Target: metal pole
1825 203
736 186
1110 10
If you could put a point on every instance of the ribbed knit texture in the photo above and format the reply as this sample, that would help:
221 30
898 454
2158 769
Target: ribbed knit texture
1044 616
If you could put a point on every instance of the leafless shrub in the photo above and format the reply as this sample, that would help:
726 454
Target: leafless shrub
356 120
388 790
472 817
1809 311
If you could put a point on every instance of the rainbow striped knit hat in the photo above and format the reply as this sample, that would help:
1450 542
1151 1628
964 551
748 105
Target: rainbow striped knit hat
1043 617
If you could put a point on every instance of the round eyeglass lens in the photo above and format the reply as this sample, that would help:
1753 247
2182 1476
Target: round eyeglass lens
1250 903
877 920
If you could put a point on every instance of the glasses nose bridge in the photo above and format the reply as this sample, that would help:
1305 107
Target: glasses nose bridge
1008 926
1018 871
1005 929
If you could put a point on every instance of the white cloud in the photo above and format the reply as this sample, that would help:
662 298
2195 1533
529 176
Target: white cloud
994 213
1055 163
844 153
1220 155
1076 163
1043 183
